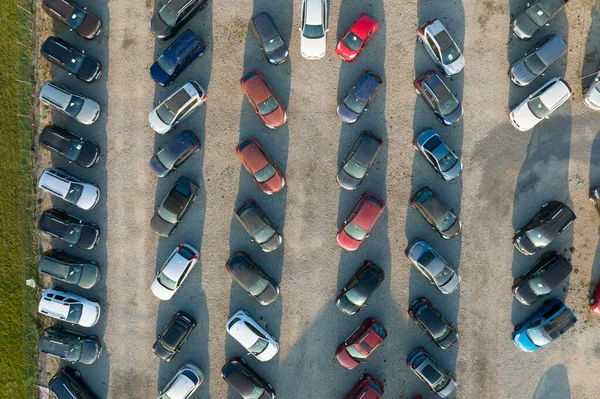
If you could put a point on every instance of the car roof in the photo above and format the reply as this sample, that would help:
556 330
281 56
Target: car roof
55 94
56 138
54 183
176 267
550 50
252 218
182 43
551 6
50 344
175 333
555 92
556 272
264 25
365 86
58 49
176 201
560 217
257 87
363 25
176 5
244 271
314 16
436 208
368 282
431 320
254 157
53 306
366 150
181 387
240 380
560 323
241 332
366 214
178 99
61 7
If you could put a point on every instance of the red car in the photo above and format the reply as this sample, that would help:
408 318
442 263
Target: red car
256 161
367 387
263 100
361 344
595 300
363 30
358 224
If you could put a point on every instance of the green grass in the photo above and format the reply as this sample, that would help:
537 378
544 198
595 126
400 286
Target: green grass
18 371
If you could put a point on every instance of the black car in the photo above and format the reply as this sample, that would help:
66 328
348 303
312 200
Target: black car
436 213
543 228
542 278
359 289
258 226
433 323
70 345
174 154
526 24
71 59
440 99
171 16
252 278
268 37
74 148
170 341
57 264
69 228
174 207
359 97
359 161
67 384
245 381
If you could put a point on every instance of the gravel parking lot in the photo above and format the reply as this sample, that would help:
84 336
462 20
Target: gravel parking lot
507 176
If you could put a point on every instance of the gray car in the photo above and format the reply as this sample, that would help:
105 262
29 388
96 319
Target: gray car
258 226
436 213
530 21
69 188
82 109
537 60
268 37
433 266
359 160
438 154
69 269
431 373
70 345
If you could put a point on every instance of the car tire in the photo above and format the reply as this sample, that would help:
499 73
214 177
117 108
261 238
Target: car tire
593 201
592 301
547 302
518 327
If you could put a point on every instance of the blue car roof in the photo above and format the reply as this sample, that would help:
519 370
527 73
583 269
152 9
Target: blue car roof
366 86
181 44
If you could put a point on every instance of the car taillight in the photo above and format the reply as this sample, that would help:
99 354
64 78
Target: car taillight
410 313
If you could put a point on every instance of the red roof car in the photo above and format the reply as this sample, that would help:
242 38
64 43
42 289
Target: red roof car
256 161
357 37
358 224
595 300
367 387
361 343
263 100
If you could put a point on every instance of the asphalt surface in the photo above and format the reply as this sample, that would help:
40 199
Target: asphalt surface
508 175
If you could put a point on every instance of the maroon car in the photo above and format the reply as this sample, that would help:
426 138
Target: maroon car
360 222
361 343
367 387
262 98
256 161
86 24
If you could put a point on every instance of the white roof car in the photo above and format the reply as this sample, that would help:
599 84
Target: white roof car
177 107
591 95
252 336
183 384
441 47
83 109
69 188
174 271
540 104
313 29
69 307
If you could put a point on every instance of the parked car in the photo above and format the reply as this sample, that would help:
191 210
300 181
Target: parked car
69 188
431 372
174 207
437 328
70 146
439 98
177 107
367 387
539 232
361 220
433 266
353 297
245 381
540 104
174 271
257 341
436 213
71 59
174 335
550 272
70 229
171 16
441 47
252 278
262 98
67 384
83 22
266 33
357 37
591 95
594 196
69 345
537 15
547 325
359 97
69 269
313 29
258 163
69 307
256 224
183 384
537 60
65 100
433 148
595 300
359 161
176 58
361 344
174 154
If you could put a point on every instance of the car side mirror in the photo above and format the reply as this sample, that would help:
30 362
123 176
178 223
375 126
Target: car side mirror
300 29
547 24
83 51
528 4
70 30
85 8
326 30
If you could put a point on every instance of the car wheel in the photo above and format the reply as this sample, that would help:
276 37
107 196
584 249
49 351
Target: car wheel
592 301
518 327
593 201
78 373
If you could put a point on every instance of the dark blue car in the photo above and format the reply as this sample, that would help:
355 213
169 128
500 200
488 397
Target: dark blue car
359 97
544 327
181 53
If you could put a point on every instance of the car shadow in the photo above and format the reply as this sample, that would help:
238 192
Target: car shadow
591 60
554 384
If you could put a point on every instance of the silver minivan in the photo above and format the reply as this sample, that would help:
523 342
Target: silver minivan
70 188
82 109
537 60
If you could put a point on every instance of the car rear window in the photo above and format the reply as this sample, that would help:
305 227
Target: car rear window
534 64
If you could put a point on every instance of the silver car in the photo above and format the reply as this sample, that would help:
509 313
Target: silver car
69 307
177 107
537 60
591 95
69 188
183 384
438 154
431 264
441 47
82 109
313 29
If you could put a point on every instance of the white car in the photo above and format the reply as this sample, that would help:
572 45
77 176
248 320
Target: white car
83 109
591 95
252 336
177 107
69 307
69 188
441 47
183 384
313 29
540 104
174 271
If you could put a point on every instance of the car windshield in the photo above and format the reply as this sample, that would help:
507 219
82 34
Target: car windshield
354 103
537 107
537 15
259 287
165 113
355 231
74 150
166 65
442 384
257 392
352 41
447 222
356 297
264 235
75 190
355 169
75 63
313 31
536 336
444 276
447 102
166 281
75 105
259 346
75 311
265 174
537 285
268 106
73 353
534 64
74 234
76 18
355 353
447 162
537 238
168 16
272 44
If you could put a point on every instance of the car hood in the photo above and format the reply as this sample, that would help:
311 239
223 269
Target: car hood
272 244
158 28
161 227
161 292
275 118
89 276
448 390
278 56
89 315
525 26
523 117
156 124
524 245
90 350
347 242
89 112
160 76
451 285
456 66
525 295
346 306
452 231
313 48
89 237
158 167
456 116
522 341
521 75
269 295
88 156
90 26
345 359
346 115
89 70
346 181
89 197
